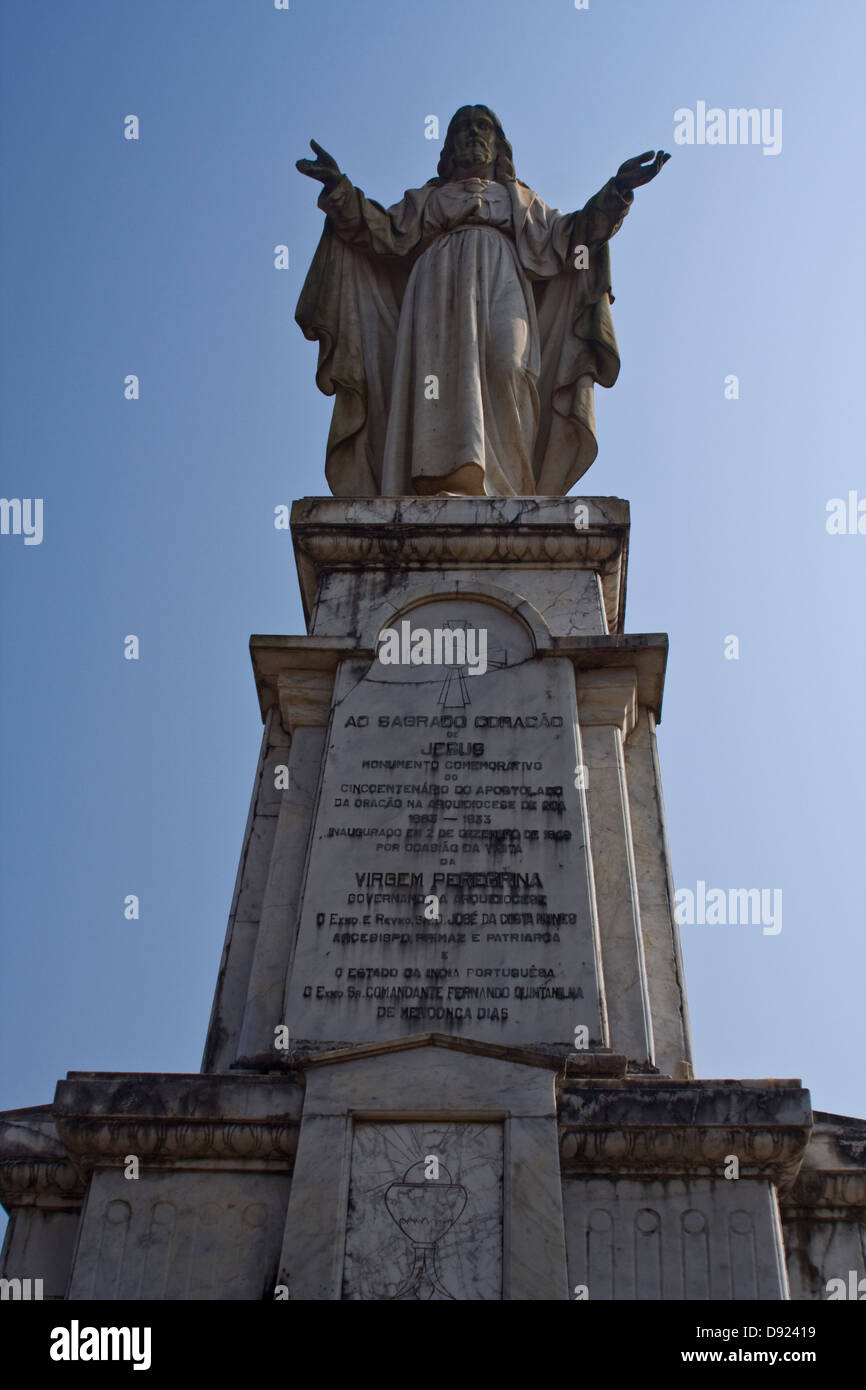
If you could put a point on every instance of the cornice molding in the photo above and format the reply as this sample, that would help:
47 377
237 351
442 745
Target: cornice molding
464 533
663 1129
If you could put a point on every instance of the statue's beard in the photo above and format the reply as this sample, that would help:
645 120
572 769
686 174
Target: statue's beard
475 168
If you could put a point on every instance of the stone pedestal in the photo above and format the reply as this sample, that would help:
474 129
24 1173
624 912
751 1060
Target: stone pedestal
454 849
449 1054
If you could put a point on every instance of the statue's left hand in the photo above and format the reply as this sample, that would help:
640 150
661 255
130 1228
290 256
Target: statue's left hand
324 167
640 170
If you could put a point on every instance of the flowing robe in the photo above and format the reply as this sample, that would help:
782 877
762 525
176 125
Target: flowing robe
460 327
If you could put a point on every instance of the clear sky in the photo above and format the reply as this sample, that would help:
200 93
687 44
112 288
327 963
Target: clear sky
155 257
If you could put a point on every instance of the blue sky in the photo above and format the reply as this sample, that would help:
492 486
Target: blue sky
155 257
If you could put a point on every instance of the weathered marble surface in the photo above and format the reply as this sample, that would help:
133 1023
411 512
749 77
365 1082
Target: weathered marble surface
482 1108
607 708
42 1190
265 1176
673 1239
665 977
482 825
824 1212
424 1219
350 552
638 1126
180 1235
652 1211
248 903
636 1192
203 1218
358 561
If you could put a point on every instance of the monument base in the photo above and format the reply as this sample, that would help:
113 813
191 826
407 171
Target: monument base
431 1168
449 1054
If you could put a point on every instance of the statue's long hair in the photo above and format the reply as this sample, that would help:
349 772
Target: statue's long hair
503 165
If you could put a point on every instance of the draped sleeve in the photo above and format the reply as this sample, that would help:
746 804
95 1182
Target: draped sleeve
578 343
350 305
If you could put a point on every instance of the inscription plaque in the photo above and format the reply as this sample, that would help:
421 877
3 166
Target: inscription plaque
448 885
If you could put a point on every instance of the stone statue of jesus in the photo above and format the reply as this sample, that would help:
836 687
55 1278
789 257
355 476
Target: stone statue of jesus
463 329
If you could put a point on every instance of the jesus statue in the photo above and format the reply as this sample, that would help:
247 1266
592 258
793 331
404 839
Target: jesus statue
463 329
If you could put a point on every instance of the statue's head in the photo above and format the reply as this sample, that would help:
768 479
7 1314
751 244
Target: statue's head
475 138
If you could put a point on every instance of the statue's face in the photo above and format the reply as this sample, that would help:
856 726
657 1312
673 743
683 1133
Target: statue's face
475 139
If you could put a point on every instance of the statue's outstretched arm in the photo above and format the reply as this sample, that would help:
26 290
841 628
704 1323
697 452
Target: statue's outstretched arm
359 221
603 215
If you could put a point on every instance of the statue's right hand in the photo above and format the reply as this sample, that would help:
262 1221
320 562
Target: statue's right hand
324 167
